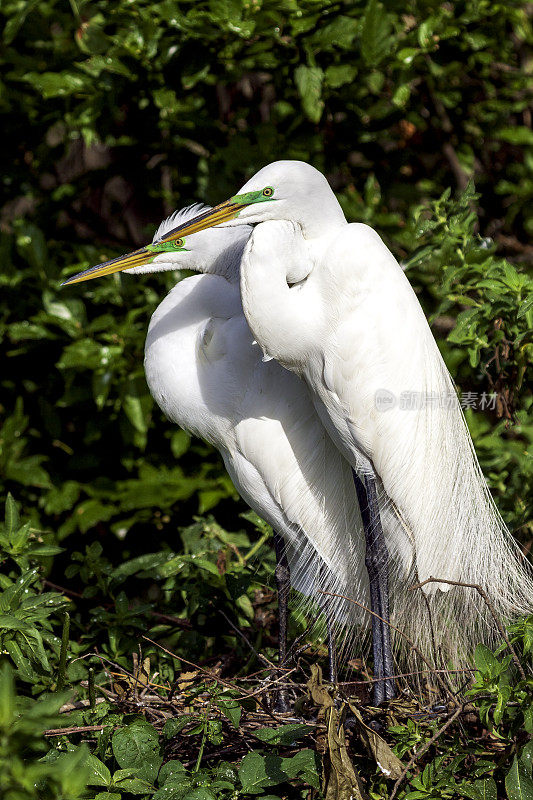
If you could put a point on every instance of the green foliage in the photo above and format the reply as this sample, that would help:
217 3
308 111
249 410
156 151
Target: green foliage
463 767
26 612
24 773
489 347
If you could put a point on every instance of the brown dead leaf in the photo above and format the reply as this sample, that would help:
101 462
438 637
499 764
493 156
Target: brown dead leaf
317 691
387 761
186 680
341 779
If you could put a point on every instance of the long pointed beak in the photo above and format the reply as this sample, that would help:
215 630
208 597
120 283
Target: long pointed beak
215 216
136 259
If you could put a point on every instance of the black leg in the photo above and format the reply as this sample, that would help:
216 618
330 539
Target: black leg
377 562
332 653
283 585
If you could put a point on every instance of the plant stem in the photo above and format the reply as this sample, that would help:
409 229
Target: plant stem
63 652
92 690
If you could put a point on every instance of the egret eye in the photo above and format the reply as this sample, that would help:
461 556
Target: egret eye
268 191
179 242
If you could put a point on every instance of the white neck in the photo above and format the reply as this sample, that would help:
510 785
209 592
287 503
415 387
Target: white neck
284 320
315 220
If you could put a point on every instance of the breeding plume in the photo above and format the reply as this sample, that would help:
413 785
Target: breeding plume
208 375
327 300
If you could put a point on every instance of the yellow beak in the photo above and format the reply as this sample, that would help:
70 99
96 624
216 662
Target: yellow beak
136 259
215 216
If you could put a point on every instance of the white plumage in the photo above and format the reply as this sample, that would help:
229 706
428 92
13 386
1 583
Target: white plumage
208 376
354 330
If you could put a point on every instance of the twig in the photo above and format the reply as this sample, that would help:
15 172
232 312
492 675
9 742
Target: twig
280 682
82 729
460 175
421 752
62 589
209 674
186 624
92 690
486 598
406 675
246 640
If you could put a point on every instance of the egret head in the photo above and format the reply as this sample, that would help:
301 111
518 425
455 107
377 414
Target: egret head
285 190
216 251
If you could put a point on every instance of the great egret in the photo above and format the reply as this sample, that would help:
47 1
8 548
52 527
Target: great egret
328 301
208 376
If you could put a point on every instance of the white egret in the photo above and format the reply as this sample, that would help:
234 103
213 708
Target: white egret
327 300
208 376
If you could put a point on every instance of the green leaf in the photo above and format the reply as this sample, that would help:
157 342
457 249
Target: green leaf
518 782
136 747
45 550
485 659
169 793
309 84
484 789
525 306
303 765
136 405
519 135
12 516
375 34
284 734
200 793
256 772
338 75
170 769
127 781
7 696
99 774
232 710
56 84
110 796
15 23
175 725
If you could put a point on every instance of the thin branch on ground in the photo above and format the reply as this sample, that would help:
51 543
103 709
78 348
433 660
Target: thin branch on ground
209 674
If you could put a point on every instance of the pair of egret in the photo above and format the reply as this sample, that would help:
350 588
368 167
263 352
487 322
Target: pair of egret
286 378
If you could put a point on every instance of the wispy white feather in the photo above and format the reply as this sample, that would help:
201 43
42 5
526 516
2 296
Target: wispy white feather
176 218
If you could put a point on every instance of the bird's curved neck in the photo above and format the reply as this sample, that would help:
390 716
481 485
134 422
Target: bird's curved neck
227 262
282 319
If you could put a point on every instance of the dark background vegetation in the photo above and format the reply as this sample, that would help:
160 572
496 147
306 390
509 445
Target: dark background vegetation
116 113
